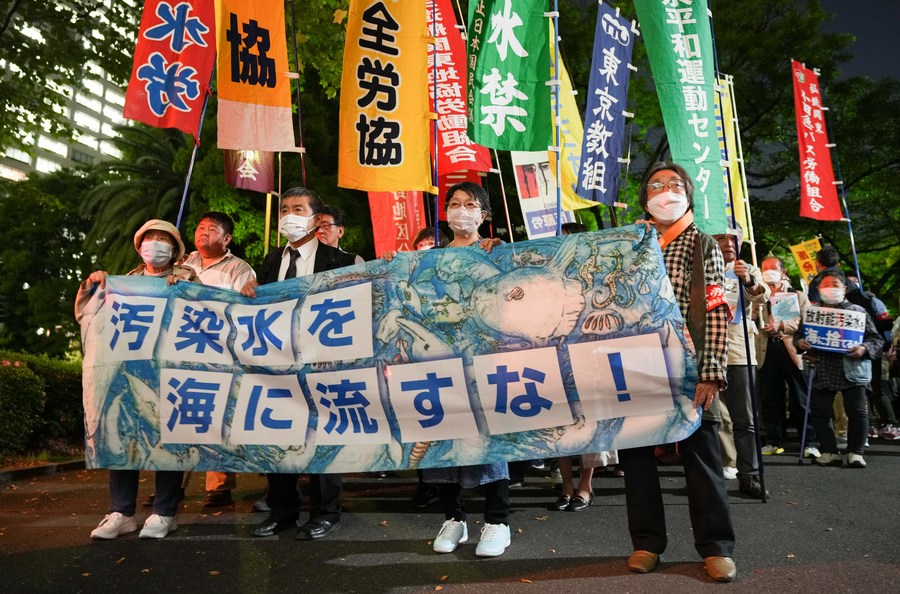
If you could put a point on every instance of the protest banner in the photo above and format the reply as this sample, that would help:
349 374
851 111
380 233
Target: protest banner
833 330
805 257
536 187
785 307
438 358
396 218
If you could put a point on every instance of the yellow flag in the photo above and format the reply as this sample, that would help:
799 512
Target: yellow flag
572 134
805 256
728 131
385 116
253 87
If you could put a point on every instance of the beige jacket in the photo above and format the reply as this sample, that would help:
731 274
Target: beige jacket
788 330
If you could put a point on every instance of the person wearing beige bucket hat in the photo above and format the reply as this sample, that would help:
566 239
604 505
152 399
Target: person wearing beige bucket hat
160 246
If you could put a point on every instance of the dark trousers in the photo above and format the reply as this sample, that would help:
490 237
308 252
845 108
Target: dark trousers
779 368
857 419
879 398
707 497
123 489
324 497
496 502
736 399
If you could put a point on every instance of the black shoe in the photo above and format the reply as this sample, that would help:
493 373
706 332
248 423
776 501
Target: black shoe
271 527
561 503
579 504
425 495
217 499
315 529
750 486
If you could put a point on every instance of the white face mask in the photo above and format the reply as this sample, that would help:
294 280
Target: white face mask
156 253
772 277
464 220
294 227
832 295
667 207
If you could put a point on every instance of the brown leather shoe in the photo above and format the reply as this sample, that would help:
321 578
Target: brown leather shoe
721 569
643 561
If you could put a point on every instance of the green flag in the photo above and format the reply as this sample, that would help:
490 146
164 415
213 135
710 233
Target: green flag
508 69
679 45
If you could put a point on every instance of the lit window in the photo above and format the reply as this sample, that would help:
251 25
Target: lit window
46 166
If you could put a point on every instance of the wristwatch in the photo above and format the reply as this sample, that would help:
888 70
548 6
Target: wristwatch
752 282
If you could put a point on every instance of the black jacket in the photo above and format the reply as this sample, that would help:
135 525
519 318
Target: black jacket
326 258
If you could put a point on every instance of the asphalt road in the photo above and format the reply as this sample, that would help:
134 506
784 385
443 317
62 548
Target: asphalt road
822 530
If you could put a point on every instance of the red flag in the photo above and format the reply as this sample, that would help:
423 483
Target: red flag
250 170
396 218
445 182
173 63
818 194
455 151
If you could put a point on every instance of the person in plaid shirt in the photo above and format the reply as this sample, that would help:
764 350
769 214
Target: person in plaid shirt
666 194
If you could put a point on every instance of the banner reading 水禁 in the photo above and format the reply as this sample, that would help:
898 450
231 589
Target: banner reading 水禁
679 45
508 71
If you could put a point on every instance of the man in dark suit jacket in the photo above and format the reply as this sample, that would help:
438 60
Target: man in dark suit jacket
303 255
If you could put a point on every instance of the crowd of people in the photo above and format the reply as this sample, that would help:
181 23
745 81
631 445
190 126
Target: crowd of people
748 355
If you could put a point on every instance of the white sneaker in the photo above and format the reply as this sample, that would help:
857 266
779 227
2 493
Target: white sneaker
811 452
494 540
730 473
113 525
158 526
855 461
452 533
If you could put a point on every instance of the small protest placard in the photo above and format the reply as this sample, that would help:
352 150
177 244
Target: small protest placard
833 330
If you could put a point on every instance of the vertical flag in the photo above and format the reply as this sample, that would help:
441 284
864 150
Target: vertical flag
818 194
447 78
508 70
604 116
250 170
384 129
173 63
805 256
253 87
679 45
727 130
536 186
571 134
396 218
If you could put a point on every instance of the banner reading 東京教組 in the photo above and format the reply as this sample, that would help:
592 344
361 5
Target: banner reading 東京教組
442 357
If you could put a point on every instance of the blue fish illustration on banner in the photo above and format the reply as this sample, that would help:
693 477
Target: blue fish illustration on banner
604 116
445 357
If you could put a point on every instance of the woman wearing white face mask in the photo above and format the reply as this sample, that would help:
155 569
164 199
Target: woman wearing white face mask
160 246
841 372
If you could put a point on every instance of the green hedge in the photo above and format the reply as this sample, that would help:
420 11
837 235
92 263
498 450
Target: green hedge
22 402
62 412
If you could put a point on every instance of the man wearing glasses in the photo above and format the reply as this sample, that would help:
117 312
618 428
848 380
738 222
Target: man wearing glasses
331 229
697 272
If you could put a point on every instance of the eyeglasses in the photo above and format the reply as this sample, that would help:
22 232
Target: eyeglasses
327 226
675 185
467 206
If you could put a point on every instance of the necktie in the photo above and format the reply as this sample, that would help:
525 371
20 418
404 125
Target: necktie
291 271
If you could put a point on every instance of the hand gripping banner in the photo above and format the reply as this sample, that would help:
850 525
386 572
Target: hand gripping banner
442 357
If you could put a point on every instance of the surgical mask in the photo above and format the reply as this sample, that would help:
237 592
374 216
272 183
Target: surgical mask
294 227
667 207
832 295
464 220
156 253
772 277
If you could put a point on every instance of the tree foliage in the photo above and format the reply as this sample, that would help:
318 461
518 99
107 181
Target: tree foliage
47 49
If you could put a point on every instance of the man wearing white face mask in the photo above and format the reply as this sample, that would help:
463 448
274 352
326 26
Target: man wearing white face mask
303 255
160 246
696 270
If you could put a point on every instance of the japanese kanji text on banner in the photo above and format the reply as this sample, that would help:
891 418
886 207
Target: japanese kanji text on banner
438 358
396 218
384 131
253 87
173 64
818 194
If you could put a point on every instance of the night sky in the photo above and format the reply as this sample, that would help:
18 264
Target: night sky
876 25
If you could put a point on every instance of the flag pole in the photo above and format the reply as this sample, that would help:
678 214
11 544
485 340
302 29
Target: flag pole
557 148
190 171
742 302
435 173
299 116
503 195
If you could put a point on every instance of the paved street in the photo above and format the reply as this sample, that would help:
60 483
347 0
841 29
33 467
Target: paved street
823 530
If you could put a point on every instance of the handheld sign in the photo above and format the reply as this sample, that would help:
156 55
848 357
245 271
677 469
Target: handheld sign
833 330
